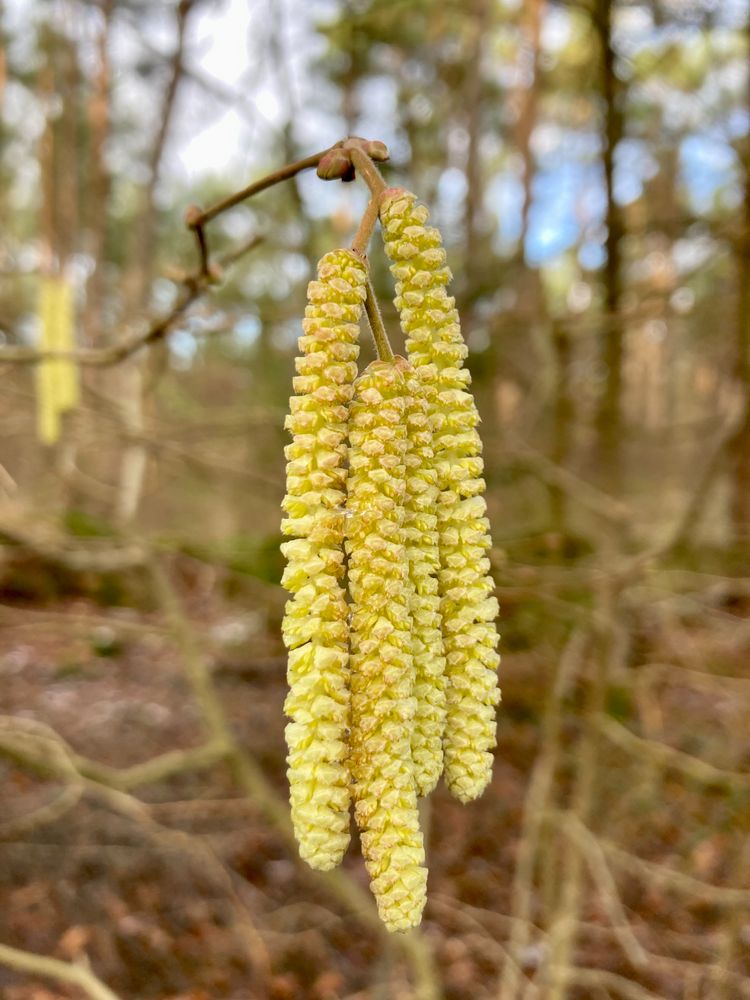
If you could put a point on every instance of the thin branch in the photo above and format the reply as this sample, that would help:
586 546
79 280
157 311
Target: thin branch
379 335
674 674
53 968
540 789
589 978
66 800
715 895
610 659
365 229
154 770
58 758
693 767
579 490
367 170
192 288
595 858
112 559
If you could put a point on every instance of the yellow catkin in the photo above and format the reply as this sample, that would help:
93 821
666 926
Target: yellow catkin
434 342
421 539
48 411
383 703
57 379
67 371
315 626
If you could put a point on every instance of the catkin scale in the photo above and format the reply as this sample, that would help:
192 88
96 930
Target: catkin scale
315 626
434 343
382 671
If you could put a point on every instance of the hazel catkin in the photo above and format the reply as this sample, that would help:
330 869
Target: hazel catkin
315 626
382 672
421 540
469 609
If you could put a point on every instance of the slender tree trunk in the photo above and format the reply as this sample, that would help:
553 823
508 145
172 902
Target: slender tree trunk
740 444
533 14
98 181
562 416
609 415
134 459
474 179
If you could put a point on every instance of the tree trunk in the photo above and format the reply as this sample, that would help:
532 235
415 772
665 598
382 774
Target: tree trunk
98 182
609 414
474 179
134 460
740 444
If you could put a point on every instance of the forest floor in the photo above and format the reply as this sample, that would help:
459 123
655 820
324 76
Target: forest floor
221 910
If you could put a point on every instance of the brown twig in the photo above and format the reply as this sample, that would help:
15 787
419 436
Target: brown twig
692 767
653 872
196 218
379 335
536 803
58 759
366 169
595 858
199 217
194 285
366 226
566 916
192 288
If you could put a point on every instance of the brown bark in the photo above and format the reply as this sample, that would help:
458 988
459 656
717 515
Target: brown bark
47 225
740 444
562 416
473 106
98 180
609 415
144 230
528 100
68 77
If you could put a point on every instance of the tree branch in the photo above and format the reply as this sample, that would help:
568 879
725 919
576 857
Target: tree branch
693 767
53 968
192 288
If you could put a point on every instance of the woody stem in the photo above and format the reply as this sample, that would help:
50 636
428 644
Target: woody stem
382 344
367 170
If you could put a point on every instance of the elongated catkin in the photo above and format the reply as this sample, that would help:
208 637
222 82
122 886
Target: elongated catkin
430 321
421 539
315 627
383 703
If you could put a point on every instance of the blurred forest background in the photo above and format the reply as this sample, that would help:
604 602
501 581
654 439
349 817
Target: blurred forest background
589 165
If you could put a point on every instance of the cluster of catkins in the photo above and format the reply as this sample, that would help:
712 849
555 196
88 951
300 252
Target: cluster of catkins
391 624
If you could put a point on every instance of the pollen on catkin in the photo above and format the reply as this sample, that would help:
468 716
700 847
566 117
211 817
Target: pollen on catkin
469 609
421 540
382 671
315 626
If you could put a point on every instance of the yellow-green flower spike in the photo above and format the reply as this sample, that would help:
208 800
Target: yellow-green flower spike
421 539
315 626
434 342
383 704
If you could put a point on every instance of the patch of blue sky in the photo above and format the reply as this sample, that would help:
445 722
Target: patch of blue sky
707 165
247 329
634 165
554 224
737 122
504 200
